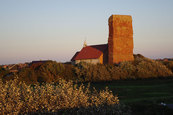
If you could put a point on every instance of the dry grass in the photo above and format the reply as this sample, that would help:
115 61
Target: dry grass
18 98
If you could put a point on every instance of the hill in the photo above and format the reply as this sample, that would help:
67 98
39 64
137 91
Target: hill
51 71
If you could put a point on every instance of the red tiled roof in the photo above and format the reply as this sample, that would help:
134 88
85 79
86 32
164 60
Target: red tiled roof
90 52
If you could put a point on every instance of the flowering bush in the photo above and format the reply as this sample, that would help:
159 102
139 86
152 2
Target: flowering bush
18 98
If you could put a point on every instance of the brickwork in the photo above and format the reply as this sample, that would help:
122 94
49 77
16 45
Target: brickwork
120 41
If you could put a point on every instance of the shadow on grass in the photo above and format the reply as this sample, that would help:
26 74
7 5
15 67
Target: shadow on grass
150 109
117 109
143 96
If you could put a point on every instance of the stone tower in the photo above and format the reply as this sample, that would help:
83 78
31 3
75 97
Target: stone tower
120 41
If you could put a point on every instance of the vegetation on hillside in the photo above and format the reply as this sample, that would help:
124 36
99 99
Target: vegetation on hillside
140 68
168 64
51 71
58 94
18 98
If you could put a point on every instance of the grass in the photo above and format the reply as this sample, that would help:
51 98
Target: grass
133 91
143 96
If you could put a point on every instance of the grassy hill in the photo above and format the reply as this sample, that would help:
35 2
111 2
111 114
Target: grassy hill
143 96
51 71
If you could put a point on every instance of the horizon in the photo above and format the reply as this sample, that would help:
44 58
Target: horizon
56 30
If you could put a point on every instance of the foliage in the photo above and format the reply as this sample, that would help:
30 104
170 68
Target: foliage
140 68
19 98
47 72
147 68
51 71
27 74
90 72
3 72
168 64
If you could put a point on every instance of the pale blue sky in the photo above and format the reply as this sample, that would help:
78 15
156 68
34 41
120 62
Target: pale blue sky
56 29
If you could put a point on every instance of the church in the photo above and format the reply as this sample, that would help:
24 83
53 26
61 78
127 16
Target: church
118 49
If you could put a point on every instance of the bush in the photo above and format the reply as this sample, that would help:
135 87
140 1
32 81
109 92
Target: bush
92 72
52 71
19 98
115 72
147 68
168 64
3 72
47 72
128 70
140 68
28 75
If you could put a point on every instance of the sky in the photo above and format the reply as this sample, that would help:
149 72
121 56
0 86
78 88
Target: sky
56 29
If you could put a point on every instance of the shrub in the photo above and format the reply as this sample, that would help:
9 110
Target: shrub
168 64
141 68
115 72
3 72
128 70
52 71
92 72
147 68
28 75
47 72
19 98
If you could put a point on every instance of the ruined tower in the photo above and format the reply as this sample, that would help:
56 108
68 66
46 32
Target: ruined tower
120 41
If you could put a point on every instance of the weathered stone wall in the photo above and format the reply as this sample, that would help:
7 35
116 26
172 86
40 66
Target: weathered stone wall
120 41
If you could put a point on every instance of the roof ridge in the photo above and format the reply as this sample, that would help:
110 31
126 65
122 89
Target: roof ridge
90 52
98 45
